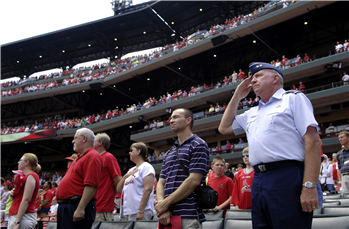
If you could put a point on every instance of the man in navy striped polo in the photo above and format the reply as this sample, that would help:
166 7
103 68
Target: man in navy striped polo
175 190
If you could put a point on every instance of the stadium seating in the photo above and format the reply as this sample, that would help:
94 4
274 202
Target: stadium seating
336 210
119 225
213 224
116 217
241 223
330 221
238 214
331 203
96 225
51 225
146 224
210 215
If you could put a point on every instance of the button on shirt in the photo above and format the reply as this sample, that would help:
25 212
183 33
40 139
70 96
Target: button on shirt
343 160
275 129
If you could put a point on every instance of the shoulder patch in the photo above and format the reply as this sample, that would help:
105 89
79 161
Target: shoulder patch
292 91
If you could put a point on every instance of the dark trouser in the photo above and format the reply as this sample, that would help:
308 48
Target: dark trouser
276 198
65 216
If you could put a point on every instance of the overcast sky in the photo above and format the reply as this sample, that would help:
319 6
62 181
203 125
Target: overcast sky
20 19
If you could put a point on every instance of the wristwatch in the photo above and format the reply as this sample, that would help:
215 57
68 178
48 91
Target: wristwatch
308 184
17 223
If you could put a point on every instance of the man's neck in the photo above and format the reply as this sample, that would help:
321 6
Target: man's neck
183 136
346 146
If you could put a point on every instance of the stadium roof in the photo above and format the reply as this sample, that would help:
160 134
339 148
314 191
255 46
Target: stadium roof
116 35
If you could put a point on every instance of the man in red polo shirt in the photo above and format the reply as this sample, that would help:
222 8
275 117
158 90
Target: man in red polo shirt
111 175
76 193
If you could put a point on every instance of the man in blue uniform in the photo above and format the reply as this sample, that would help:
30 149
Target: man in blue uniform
285 149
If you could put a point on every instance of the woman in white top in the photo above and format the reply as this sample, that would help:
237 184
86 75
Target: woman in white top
137 187
326 171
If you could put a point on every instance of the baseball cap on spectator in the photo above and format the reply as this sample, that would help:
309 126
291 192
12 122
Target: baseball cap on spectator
69 158
20 172
8 183
257 66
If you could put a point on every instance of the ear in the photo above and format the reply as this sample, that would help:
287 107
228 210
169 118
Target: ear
212 166
188 120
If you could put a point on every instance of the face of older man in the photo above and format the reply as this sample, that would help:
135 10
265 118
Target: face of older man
78 142
262 81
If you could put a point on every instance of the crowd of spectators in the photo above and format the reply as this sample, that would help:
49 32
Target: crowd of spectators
101 71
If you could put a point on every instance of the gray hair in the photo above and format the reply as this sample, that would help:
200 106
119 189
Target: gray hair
90 136
281 79
227 164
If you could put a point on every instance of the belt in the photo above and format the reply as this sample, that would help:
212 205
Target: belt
73 200
345 174
264 167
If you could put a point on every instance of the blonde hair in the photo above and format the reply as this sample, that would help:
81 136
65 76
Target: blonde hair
142 147
218 159
105 139
245 151
33 160
38 168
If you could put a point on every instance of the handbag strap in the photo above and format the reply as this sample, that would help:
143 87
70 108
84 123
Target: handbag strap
180 163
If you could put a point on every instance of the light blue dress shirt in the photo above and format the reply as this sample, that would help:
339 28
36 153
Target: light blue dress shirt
275 129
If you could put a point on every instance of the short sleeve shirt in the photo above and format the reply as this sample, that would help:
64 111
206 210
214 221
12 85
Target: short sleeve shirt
84 170
106 191
275 129
343 160
194 155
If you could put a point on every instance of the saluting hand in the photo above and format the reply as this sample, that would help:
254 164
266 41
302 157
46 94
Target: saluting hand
244 88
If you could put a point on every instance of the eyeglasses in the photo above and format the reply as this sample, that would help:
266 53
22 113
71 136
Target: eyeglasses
245 155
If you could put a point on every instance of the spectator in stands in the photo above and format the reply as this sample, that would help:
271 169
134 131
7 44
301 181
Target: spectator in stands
22 213
278 64
325 177
175 188
217 108
211 110
241 75
218 149
227 172
239 167
242 192
245 104
45 200
345 78
330 128
306 58
234 77
222 184
339 47
7 187
71 159
77 190
294 87
342 158
54 187
54 206
334 166
322 128
228 147
345 45
301 87
137 187
298 60
301 158
256 101
111 175
284 62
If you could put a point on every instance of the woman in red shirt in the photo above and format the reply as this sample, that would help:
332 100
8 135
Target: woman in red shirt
22 213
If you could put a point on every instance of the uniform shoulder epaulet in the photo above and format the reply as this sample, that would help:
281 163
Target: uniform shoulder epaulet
292 91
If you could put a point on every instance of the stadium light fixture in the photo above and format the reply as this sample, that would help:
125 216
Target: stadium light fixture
144 32
254 41
129 89
114 85
130 127
63 51
40 56
115 39
116 57
172 23
215 55
83 91
305 23
179 68
200 10
173 34
17 61
148 79
100 93
117 107
89 45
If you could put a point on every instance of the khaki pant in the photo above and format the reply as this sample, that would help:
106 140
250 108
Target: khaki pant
28 221
104 216
191 224
146 216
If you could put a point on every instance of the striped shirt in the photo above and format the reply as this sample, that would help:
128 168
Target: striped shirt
342 157
194 155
